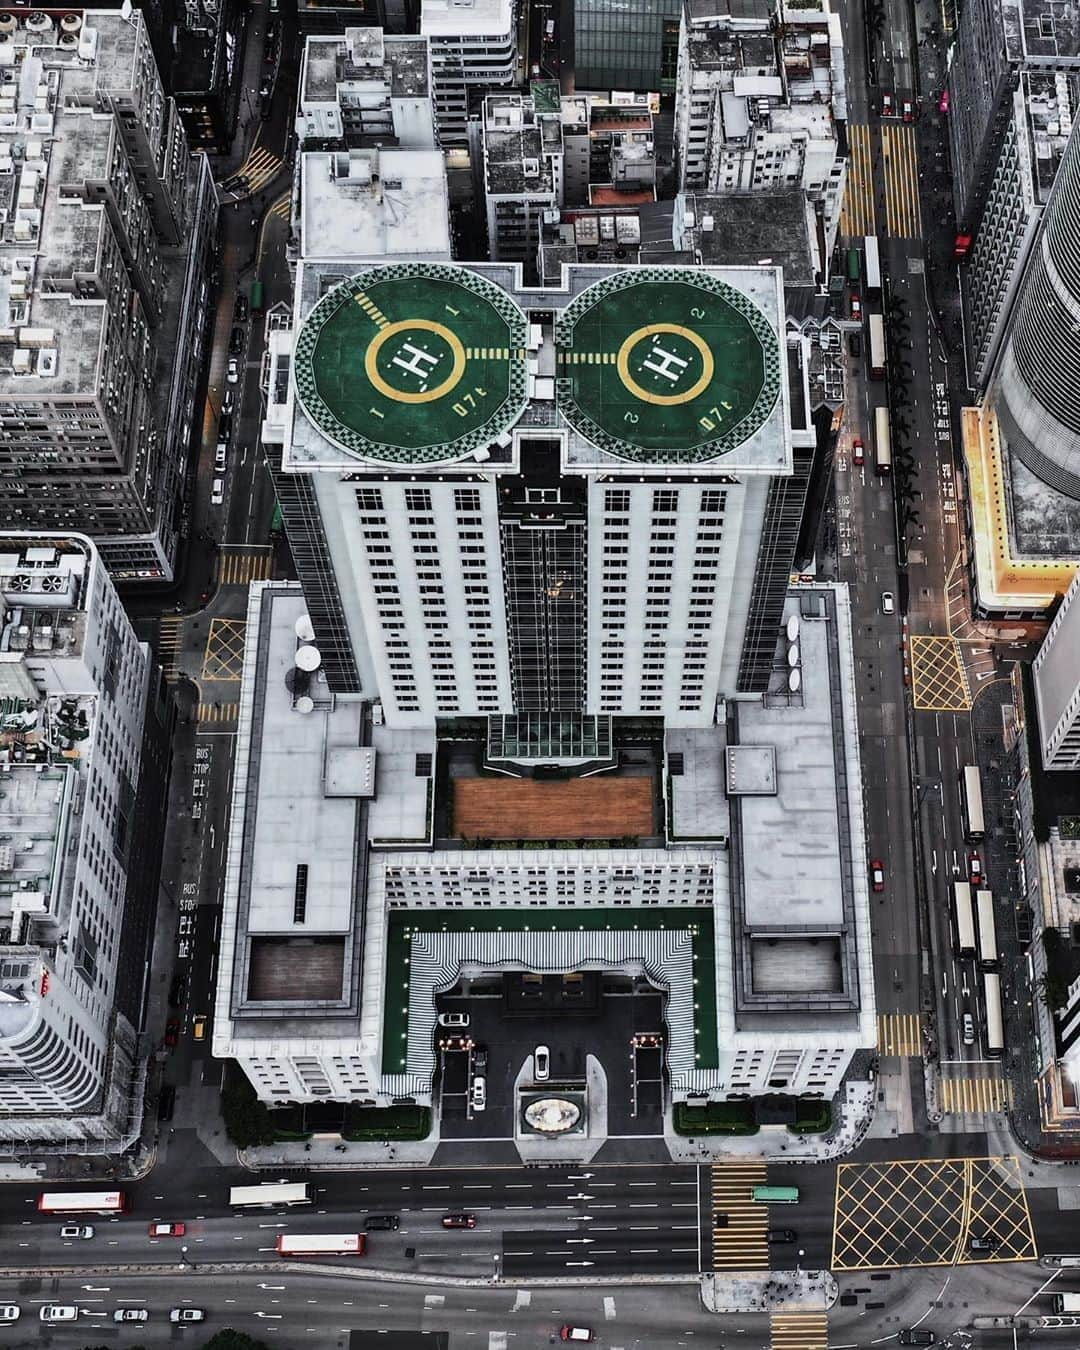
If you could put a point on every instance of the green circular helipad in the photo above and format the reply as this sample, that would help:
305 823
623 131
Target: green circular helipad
413 363
666 366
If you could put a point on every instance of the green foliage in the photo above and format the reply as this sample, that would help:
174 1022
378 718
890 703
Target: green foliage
228 1339
811 1117
363 1123
715 1118
247 1121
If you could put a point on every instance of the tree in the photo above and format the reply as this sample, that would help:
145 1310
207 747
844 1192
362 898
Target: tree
228 1339
247 1121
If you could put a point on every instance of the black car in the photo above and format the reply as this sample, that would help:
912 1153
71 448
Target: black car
854 344
382 1223
480 1058
236 341
240 309
989 1243
916 1336
166 1102
778 1235
177 991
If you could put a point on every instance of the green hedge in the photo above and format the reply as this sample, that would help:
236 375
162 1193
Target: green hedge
365 1123
715 1118
811 1117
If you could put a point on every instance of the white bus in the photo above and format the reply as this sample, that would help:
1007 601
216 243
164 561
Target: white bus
877 347
82 1202
971 791
873 267
995 1031
963 920
988 948
321 1244
882 441
270 1193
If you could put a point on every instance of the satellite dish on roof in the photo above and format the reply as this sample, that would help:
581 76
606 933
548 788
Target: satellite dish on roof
307 658
794 679
792 655
305 704
304 631
792 627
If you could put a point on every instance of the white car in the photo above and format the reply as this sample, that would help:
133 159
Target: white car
131 1315
888 602
479 1093
10 1312
232 370
217 492
454 1019
58 1312
541 1063
187 1315
77 1230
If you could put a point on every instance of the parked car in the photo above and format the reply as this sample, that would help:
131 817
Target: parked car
131 1315
858 451
166 1102
80 1232
168 1229
382 1223
479 1093
187 1315
454 1019
480 1058
221 456
569 1333
217 492
236 341
10 1312
227 402
59 1312
888 602
877 876
172 1032
240 309
178 991
856 305
459 1221
541 1063
854 344
232 370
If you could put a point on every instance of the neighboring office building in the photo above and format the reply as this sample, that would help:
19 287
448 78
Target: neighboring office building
205 72
365 88
757 106
75 688
1029 153
473 51
109 237
629 46
522 159
334 16
1056 672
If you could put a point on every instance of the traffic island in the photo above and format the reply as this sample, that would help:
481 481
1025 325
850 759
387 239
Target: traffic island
753 1291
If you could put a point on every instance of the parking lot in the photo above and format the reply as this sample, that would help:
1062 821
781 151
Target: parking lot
574 1016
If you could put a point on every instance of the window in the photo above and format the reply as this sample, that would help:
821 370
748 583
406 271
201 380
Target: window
665 501
369 499
417 499
300 893
466 499
616 500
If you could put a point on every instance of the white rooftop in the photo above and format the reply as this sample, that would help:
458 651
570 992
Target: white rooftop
464 18
374 204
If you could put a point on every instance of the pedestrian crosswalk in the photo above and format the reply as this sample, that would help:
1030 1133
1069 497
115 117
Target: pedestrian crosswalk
900 160
799 1330
899 1034
239 568
974 1096
282 207
857 215
260 167
217 714
739 1225
169 641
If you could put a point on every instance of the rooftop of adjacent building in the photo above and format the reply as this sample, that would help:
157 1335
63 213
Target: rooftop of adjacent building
518 144
715 12
1026 534
362 56
379 203
466 18
1040 30
750 229
1050 101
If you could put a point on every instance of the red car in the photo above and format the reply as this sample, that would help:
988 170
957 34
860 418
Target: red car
168 1229
858 451
975 869
172 1032
459 1221
856 305
907 110
886 105
877 876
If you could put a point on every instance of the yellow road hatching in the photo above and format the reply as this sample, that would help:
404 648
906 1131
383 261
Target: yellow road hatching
926 1212
939 682
900 161
224 655
799 1330
857 212
741 1242
900 1034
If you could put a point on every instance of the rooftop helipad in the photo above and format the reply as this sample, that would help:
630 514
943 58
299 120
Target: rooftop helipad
666 365
413 363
